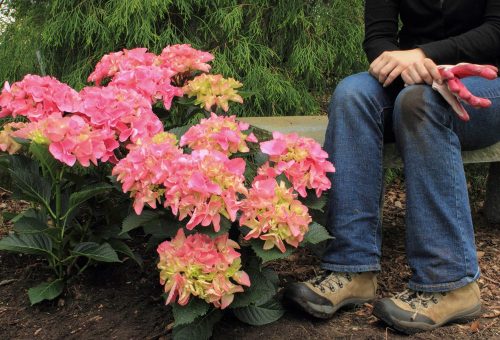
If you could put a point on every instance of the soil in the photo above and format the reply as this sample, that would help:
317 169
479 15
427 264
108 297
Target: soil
122 302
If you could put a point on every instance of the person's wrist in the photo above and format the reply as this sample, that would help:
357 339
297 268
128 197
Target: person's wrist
419 53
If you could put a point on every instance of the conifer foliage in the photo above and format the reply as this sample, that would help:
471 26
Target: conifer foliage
286 52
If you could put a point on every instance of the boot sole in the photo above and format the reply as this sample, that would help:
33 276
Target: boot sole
415 327
326 312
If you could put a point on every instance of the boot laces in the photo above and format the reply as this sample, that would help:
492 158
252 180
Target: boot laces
418 300
330 280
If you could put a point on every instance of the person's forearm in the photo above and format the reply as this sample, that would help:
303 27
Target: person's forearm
479 45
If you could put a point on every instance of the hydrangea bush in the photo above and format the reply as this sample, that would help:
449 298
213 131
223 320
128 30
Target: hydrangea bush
222 202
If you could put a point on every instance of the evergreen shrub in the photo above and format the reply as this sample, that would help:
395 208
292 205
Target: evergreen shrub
288 53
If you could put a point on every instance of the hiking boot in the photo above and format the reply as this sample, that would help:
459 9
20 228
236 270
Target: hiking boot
323 295
411 312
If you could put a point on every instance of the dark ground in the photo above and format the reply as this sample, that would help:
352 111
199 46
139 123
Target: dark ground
119 302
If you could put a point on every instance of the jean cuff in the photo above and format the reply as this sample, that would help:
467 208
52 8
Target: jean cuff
443 287
350 269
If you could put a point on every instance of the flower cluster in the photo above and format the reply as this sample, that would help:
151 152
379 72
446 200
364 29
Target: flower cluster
199 266
301 159
37 97
124 60
122 110
71 138
213 90
145 169
221 133
274 215
152 82
183 58
7 142
204 186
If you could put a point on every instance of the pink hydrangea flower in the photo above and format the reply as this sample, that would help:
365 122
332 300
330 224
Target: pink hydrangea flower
205 185
146 167
302 160
222 133
274 215
198 266
112 63
71 139
152 82
183 58
37 97
122 110
213 90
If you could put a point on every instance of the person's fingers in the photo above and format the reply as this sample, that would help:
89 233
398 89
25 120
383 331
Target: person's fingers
414 75
405 75
396 72
433 70
386 70
376 65
423 73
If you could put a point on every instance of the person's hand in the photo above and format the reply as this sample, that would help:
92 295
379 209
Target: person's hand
390 64
420 72
453 90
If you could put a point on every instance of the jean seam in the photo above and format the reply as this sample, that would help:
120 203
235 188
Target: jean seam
351 268
378 225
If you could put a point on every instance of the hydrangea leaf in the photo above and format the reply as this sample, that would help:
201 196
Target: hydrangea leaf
187 314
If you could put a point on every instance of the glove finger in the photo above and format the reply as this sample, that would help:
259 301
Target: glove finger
446 74
467 70
459 89
479 102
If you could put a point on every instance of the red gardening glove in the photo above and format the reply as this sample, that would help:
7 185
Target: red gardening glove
454 91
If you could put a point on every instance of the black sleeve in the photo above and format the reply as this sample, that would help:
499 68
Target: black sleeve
381 27
479 45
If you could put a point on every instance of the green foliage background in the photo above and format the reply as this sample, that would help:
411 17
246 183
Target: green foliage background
289 53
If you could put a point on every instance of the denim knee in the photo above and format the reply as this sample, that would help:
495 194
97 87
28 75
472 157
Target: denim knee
412 109
360 90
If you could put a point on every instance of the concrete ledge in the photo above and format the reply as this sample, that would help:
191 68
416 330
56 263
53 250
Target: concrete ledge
315 127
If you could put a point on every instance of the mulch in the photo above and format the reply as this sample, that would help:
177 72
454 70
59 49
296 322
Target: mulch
122 302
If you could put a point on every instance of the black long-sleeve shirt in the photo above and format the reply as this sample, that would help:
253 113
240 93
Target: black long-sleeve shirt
448 31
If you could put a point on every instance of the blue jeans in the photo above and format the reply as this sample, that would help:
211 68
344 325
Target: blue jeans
439 232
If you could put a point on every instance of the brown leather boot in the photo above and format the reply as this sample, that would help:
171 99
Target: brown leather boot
323 295
411 312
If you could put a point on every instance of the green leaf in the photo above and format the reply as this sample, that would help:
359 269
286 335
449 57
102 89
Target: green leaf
262 288
90 191
316 234
134 221
94 251
46 291
187 314
35 244
270 254
122 248
27 181
8 215
162 228
314 202
260 158
48 162
29 225
200 329
259 315
179 131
